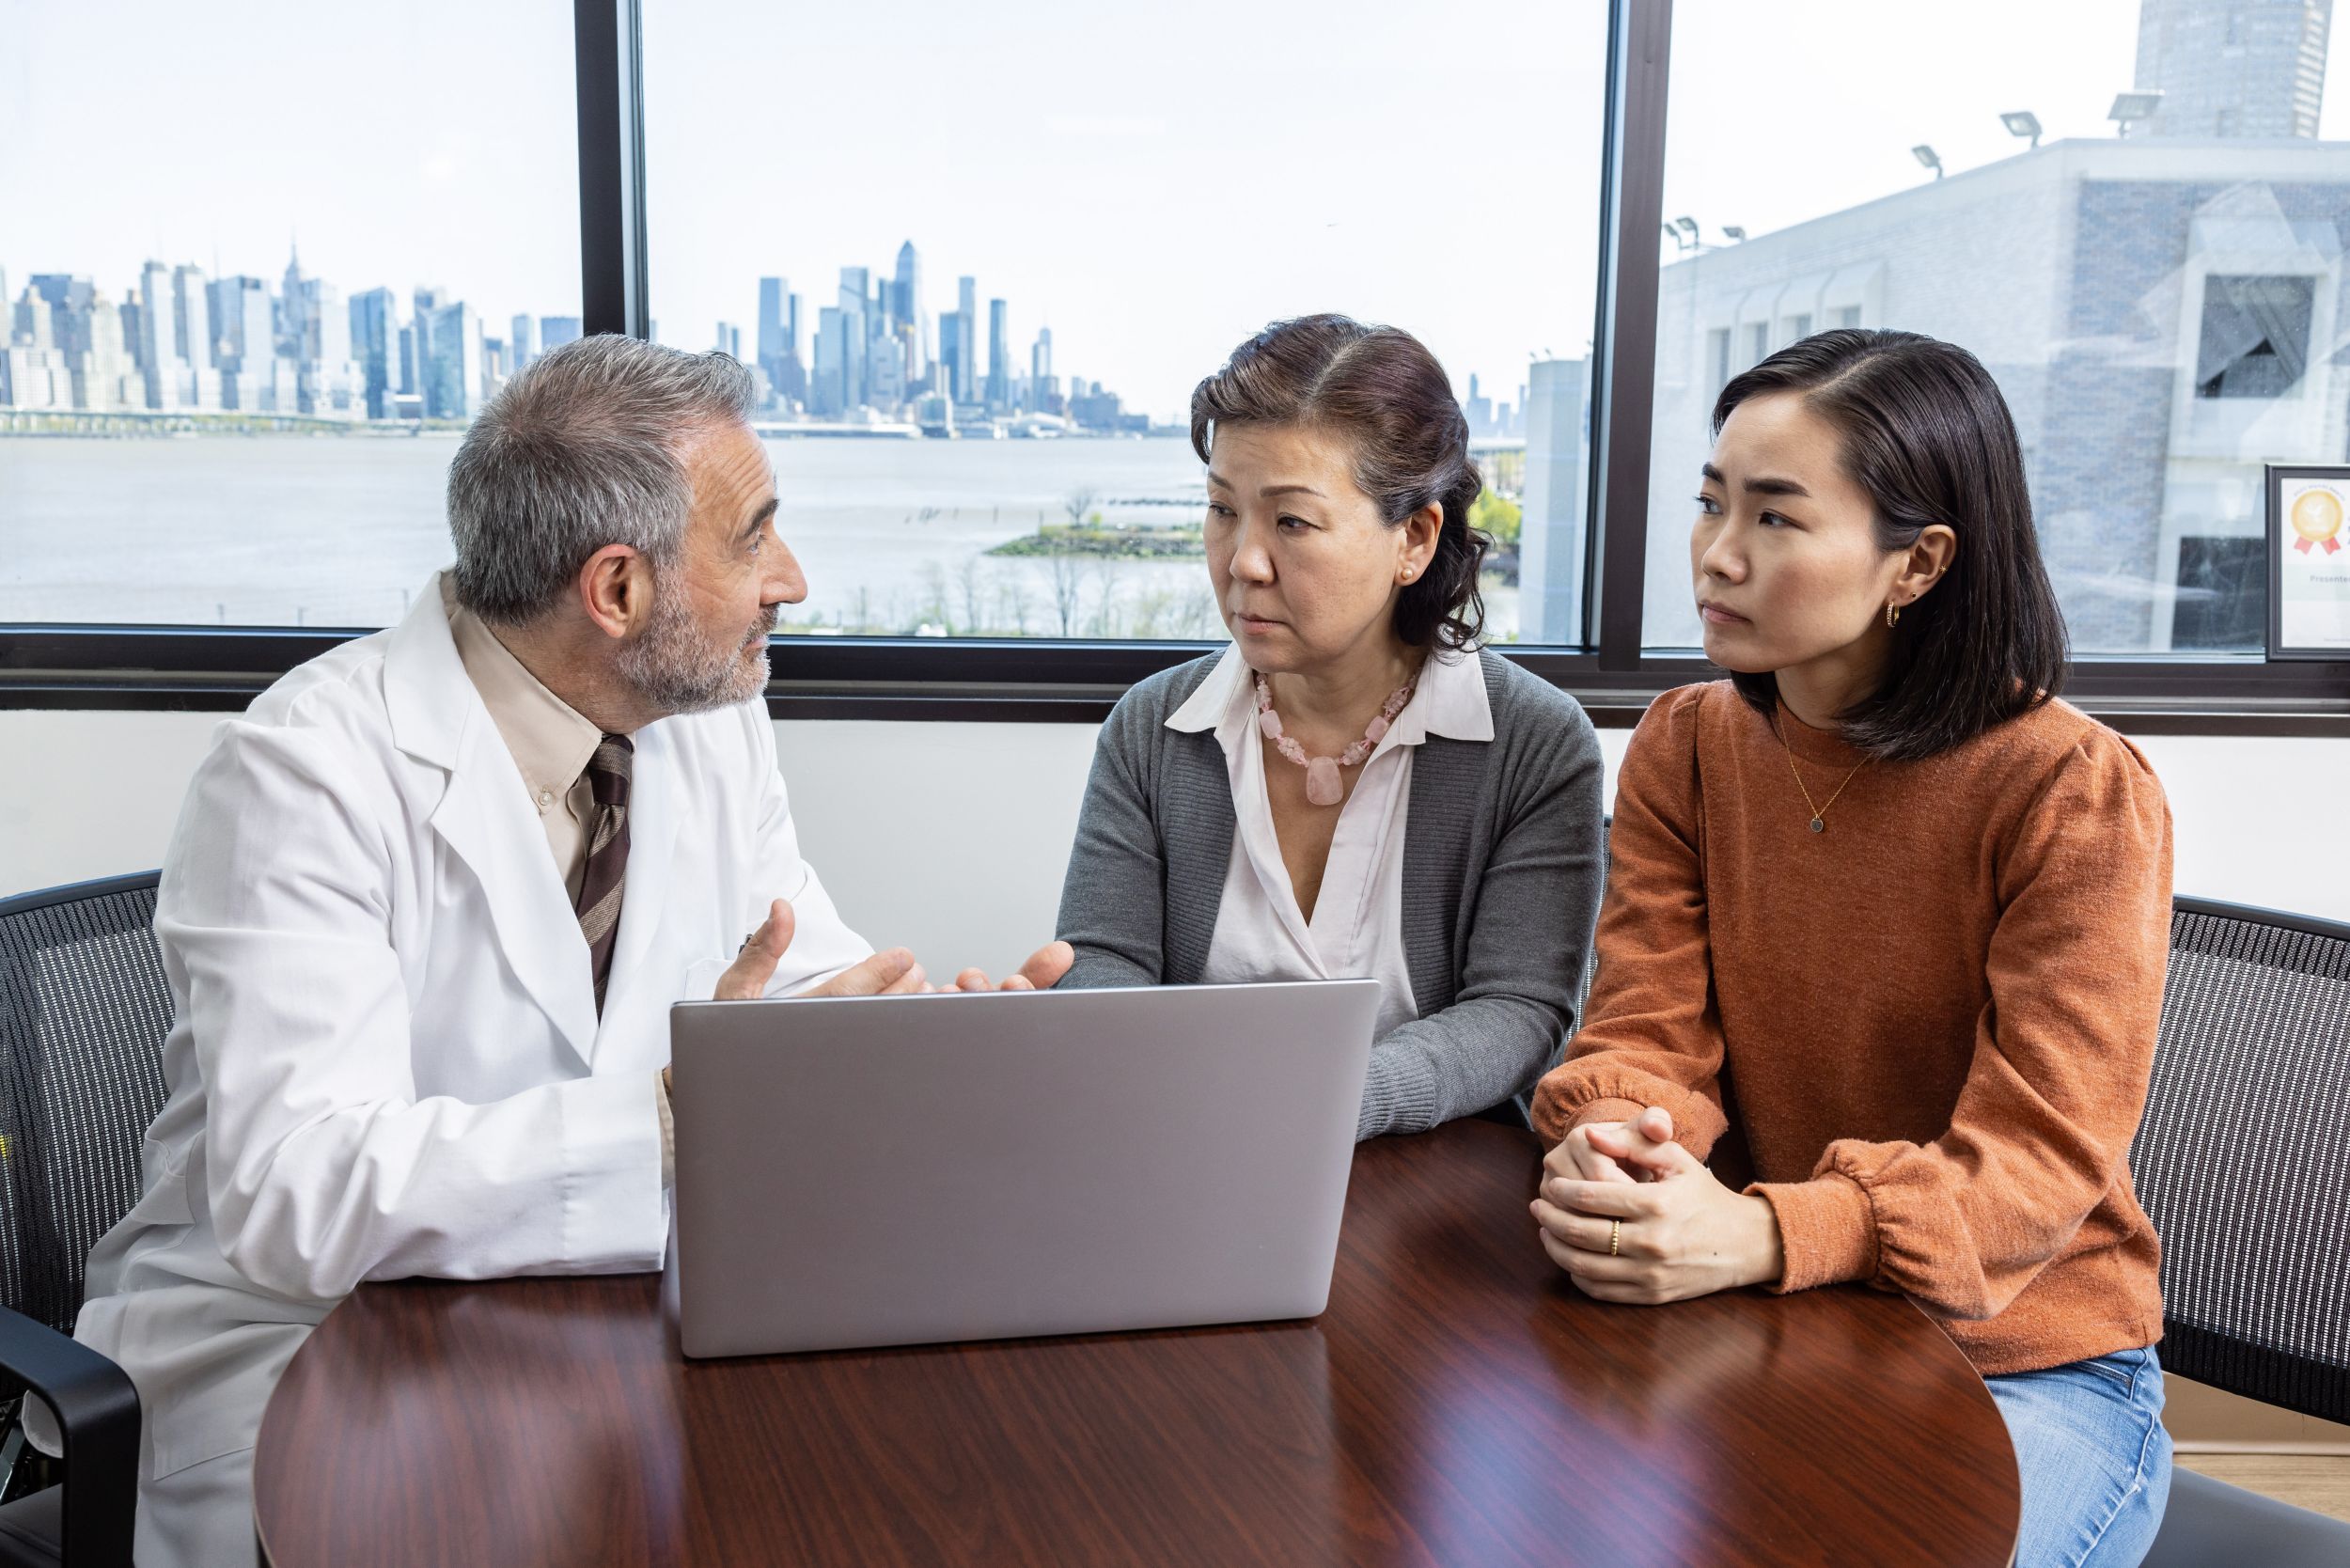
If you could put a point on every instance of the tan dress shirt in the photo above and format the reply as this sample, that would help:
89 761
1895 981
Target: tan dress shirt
551 743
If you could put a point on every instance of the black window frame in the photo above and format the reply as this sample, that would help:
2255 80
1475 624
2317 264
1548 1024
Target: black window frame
1057 680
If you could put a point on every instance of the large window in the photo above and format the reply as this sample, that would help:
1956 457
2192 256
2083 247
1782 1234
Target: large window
980 255
259 263
2160 295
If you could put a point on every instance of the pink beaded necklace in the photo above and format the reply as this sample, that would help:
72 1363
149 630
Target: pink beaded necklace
1323 786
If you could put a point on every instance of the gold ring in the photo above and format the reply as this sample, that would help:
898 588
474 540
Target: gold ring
1615 1236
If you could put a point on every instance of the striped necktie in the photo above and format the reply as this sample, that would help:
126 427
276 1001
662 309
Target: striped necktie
601 883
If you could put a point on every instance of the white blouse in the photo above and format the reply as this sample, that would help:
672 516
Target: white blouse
1358 928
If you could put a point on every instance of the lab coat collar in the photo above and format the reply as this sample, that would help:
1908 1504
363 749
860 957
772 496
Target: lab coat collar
485 816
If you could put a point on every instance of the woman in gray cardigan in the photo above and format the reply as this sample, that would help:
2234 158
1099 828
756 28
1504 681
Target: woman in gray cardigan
1351 789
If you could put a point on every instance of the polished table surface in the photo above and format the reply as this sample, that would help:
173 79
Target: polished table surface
1459 1403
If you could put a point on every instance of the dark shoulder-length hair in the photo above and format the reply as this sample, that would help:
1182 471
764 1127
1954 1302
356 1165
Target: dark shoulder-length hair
1926 434
1380 390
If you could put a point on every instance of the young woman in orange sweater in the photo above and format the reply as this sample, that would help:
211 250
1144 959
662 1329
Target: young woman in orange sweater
1882 902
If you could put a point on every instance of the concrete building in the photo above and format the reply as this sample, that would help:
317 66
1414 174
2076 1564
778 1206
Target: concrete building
2165 314
2234 68
1553 544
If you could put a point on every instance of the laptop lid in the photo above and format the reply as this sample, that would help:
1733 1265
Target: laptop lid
897 1170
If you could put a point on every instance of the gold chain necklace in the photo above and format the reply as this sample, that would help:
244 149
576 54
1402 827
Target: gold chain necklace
1819 813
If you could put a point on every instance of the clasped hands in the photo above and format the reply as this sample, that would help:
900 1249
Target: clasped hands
1676 1232
891 972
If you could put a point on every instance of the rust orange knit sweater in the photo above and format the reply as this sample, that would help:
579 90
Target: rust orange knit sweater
1933 1021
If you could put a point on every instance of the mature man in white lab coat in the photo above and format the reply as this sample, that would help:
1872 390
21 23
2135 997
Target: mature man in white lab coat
430 898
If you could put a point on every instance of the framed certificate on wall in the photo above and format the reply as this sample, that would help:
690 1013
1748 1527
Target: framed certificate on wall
2308 561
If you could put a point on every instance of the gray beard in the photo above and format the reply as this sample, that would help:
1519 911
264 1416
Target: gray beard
671 667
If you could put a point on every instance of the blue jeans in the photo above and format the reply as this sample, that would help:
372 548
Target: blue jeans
2093 1456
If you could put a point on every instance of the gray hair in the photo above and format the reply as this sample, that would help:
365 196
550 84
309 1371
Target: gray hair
584 449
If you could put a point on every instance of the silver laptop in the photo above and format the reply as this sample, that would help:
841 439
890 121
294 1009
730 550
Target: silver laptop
897 1170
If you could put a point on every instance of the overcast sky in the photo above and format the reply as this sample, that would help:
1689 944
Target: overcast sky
1152 181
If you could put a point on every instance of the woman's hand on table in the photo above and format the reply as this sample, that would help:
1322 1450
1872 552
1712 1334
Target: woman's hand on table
1673 1230
1609 1150
1041 972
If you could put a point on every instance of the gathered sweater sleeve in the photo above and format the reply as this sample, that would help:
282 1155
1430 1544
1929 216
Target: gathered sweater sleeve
1113 895
2057 1079
1651 1033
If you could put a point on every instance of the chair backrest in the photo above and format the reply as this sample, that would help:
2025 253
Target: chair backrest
2243 1160
84 1009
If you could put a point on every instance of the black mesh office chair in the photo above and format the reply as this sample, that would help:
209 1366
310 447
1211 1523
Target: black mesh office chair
83 1014
2244 1164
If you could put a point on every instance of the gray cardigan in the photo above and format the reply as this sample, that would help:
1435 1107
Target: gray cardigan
1501 880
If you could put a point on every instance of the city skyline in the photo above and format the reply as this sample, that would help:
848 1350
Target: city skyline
179 340
1168 191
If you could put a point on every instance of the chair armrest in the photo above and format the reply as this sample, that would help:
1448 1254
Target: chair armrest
98 1414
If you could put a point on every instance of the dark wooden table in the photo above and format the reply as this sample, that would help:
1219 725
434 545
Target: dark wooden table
1459 1403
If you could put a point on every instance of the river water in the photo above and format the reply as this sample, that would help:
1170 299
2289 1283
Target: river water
288 531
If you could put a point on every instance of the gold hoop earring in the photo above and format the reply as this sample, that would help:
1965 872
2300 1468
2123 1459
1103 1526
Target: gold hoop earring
1892 614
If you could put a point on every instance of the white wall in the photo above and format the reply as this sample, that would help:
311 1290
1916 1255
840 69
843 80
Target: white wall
950 837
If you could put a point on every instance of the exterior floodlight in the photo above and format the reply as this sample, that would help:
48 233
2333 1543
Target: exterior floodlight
1925 155
2023 122
1731 231
2133 105
1687 226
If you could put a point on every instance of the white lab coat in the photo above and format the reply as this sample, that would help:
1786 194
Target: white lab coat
386 1059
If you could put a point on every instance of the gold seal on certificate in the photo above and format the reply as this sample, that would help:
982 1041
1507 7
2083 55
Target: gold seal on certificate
2309 570
2316 516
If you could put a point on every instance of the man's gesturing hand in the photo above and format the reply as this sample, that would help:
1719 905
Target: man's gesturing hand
890 972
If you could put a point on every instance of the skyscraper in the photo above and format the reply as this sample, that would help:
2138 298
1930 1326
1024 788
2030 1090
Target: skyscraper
1043 394
521 343
328 381
827 389
244 323
194 336
949 355
375 343
31 322
69 298
106 377
966 341
778 340
156 342
999 359
556 331
192 310
448 335
2233 68
856 289
905 306
289 341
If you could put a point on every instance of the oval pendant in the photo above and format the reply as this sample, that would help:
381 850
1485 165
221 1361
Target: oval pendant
1818 826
